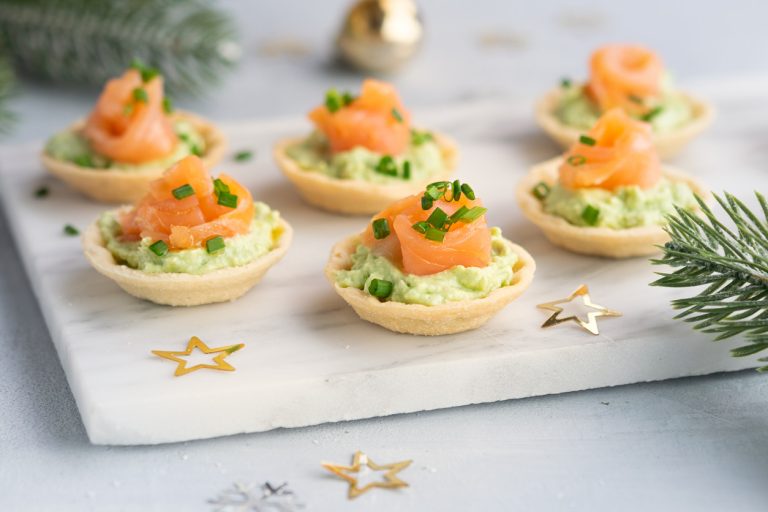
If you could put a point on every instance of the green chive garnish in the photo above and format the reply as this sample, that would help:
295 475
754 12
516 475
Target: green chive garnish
147 73
648 117
347 98
71 230
456 189
435 235
140 94
590 215
541 190
396 114
436 190
426 202
565 83
219 187
380 288
42 192
243 156
196 150
214 244
407 170
183 191
386 166
333 100
576 160
587 140
421 227
437 218
167 105
468 191
473 214
227 199
458 214
160 248
84 161
418 138
380 229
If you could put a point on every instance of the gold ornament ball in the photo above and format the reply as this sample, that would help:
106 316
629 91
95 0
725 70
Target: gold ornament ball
380 35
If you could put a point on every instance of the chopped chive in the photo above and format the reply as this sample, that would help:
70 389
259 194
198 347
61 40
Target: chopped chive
167 105
227 199
380 288
407 170
418 138
84 160
421 227
386 166
456 189
468 191
635 99
219 187
437 218
147 73
541 190
587 140
214 244
140 94
576 160
183 191
396 114
333 100
458 214
71 230
243 156
196 150
128 109
347 98
160 248
426 202
380 228
42 192
651 114
436 190
435 235
590 215
473 214
565 83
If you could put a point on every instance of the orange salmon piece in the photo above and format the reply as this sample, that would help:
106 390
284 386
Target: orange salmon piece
623 76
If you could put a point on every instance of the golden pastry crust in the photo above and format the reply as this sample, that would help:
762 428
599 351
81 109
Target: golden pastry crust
356 197
598 241
175 289
121 186
423 320
667 144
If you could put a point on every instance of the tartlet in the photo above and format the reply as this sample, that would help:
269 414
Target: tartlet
192 240
426 295
364 153
134 135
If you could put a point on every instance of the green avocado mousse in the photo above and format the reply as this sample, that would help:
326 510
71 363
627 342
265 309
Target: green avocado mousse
364 152
429 264
609 195
130 137
634 79
192 240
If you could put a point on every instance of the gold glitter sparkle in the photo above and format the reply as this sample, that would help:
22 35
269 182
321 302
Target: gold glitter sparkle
590 324
197 343
360 462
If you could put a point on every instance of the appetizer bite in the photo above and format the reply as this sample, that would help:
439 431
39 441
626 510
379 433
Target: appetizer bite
429 264
192 240
633 79
129 139
609 195
364 153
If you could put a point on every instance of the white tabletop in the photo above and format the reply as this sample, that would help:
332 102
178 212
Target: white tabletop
697 443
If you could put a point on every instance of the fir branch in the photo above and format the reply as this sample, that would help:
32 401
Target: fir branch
7 80
87 41
731 263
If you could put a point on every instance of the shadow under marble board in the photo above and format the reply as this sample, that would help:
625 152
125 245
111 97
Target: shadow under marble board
308 358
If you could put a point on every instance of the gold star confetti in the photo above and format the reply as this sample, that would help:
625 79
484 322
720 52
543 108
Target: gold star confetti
591 323
197 343
361 465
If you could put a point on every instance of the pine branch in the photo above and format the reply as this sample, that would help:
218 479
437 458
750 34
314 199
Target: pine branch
731 263
89 41
7 80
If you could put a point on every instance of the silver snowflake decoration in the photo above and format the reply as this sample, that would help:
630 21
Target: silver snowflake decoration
257 498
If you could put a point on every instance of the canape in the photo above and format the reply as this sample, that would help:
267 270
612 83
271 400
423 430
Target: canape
430 265
129 139
609 195
634 79
364 153
191 240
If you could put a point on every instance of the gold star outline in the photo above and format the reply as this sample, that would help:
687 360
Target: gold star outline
197 343
391 481
590 324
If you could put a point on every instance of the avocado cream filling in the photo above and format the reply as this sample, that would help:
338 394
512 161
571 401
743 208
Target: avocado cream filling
72 146
238 250
423 155
622 208
455 284
669 113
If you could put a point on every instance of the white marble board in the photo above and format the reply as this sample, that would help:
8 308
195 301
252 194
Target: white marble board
308 358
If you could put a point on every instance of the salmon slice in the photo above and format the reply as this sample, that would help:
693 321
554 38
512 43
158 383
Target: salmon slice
624 76
467 244
188 222
623 154
375 120
127 129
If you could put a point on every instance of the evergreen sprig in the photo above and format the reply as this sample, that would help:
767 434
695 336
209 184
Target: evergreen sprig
730 262
87 41
7 80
